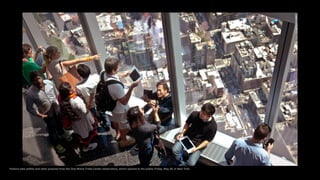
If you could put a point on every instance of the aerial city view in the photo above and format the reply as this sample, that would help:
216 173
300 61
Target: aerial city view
228 59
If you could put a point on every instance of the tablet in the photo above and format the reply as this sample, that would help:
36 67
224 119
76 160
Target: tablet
187 144
135 74
148 93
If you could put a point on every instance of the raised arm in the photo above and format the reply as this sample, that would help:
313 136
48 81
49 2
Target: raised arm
80 60
125 99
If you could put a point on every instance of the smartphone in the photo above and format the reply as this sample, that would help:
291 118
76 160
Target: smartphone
270 140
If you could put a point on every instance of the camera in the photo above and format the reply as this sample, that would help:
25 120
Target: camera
270 141
40 50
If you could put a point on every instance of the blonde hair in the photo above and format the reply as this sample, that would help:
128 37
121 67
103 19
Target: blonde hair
50 51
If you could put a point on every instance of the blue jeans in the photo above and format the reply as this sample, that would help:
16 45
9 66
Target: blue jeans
145 154
167 126
178 153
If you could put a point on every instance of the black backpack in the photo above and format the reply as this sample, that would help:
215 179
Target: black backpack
104 101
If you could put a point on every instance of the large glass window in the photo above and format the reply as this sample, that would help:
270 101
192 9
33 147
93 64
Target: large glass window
137 40
63 30
229 59
287 122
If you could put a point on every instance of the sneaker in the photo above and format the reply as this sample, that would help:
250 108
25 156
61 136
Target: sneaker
91 146
59 148
77 151
67 137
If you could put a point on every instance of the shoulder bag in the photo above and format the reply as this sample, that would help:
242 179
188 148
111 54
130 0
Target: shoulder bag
71 76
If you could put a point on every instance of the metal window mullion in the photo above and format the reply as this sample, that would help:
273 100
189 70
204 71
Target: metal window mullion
93 35
284 56
33 30
171 31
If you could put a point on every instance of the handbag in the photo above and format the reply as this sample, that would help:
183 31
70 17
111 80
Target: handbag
71 76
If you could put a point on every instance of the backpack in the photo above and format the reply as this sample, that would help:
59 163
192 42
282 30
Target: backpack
103 99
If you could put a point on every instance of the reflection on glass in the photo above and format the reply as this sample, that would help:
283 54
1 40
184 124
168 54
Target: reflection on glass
64 30
136 39
287 124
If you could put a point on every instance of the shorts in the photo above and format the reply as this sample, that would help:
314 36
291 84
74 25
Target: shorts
121 118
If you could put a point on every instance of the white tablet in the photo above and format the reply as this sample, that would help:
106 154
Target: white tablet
135 74
187 144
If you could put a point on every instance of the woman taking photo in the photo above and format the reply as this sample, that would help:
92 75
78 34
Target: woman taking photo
143 132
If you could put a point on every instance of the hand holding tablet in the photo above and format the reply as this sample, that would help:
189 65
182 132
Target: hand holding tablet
187 144
135 74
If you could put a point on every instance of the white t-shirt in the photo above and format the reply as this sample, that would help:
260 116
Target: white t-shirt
83 125
88 87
